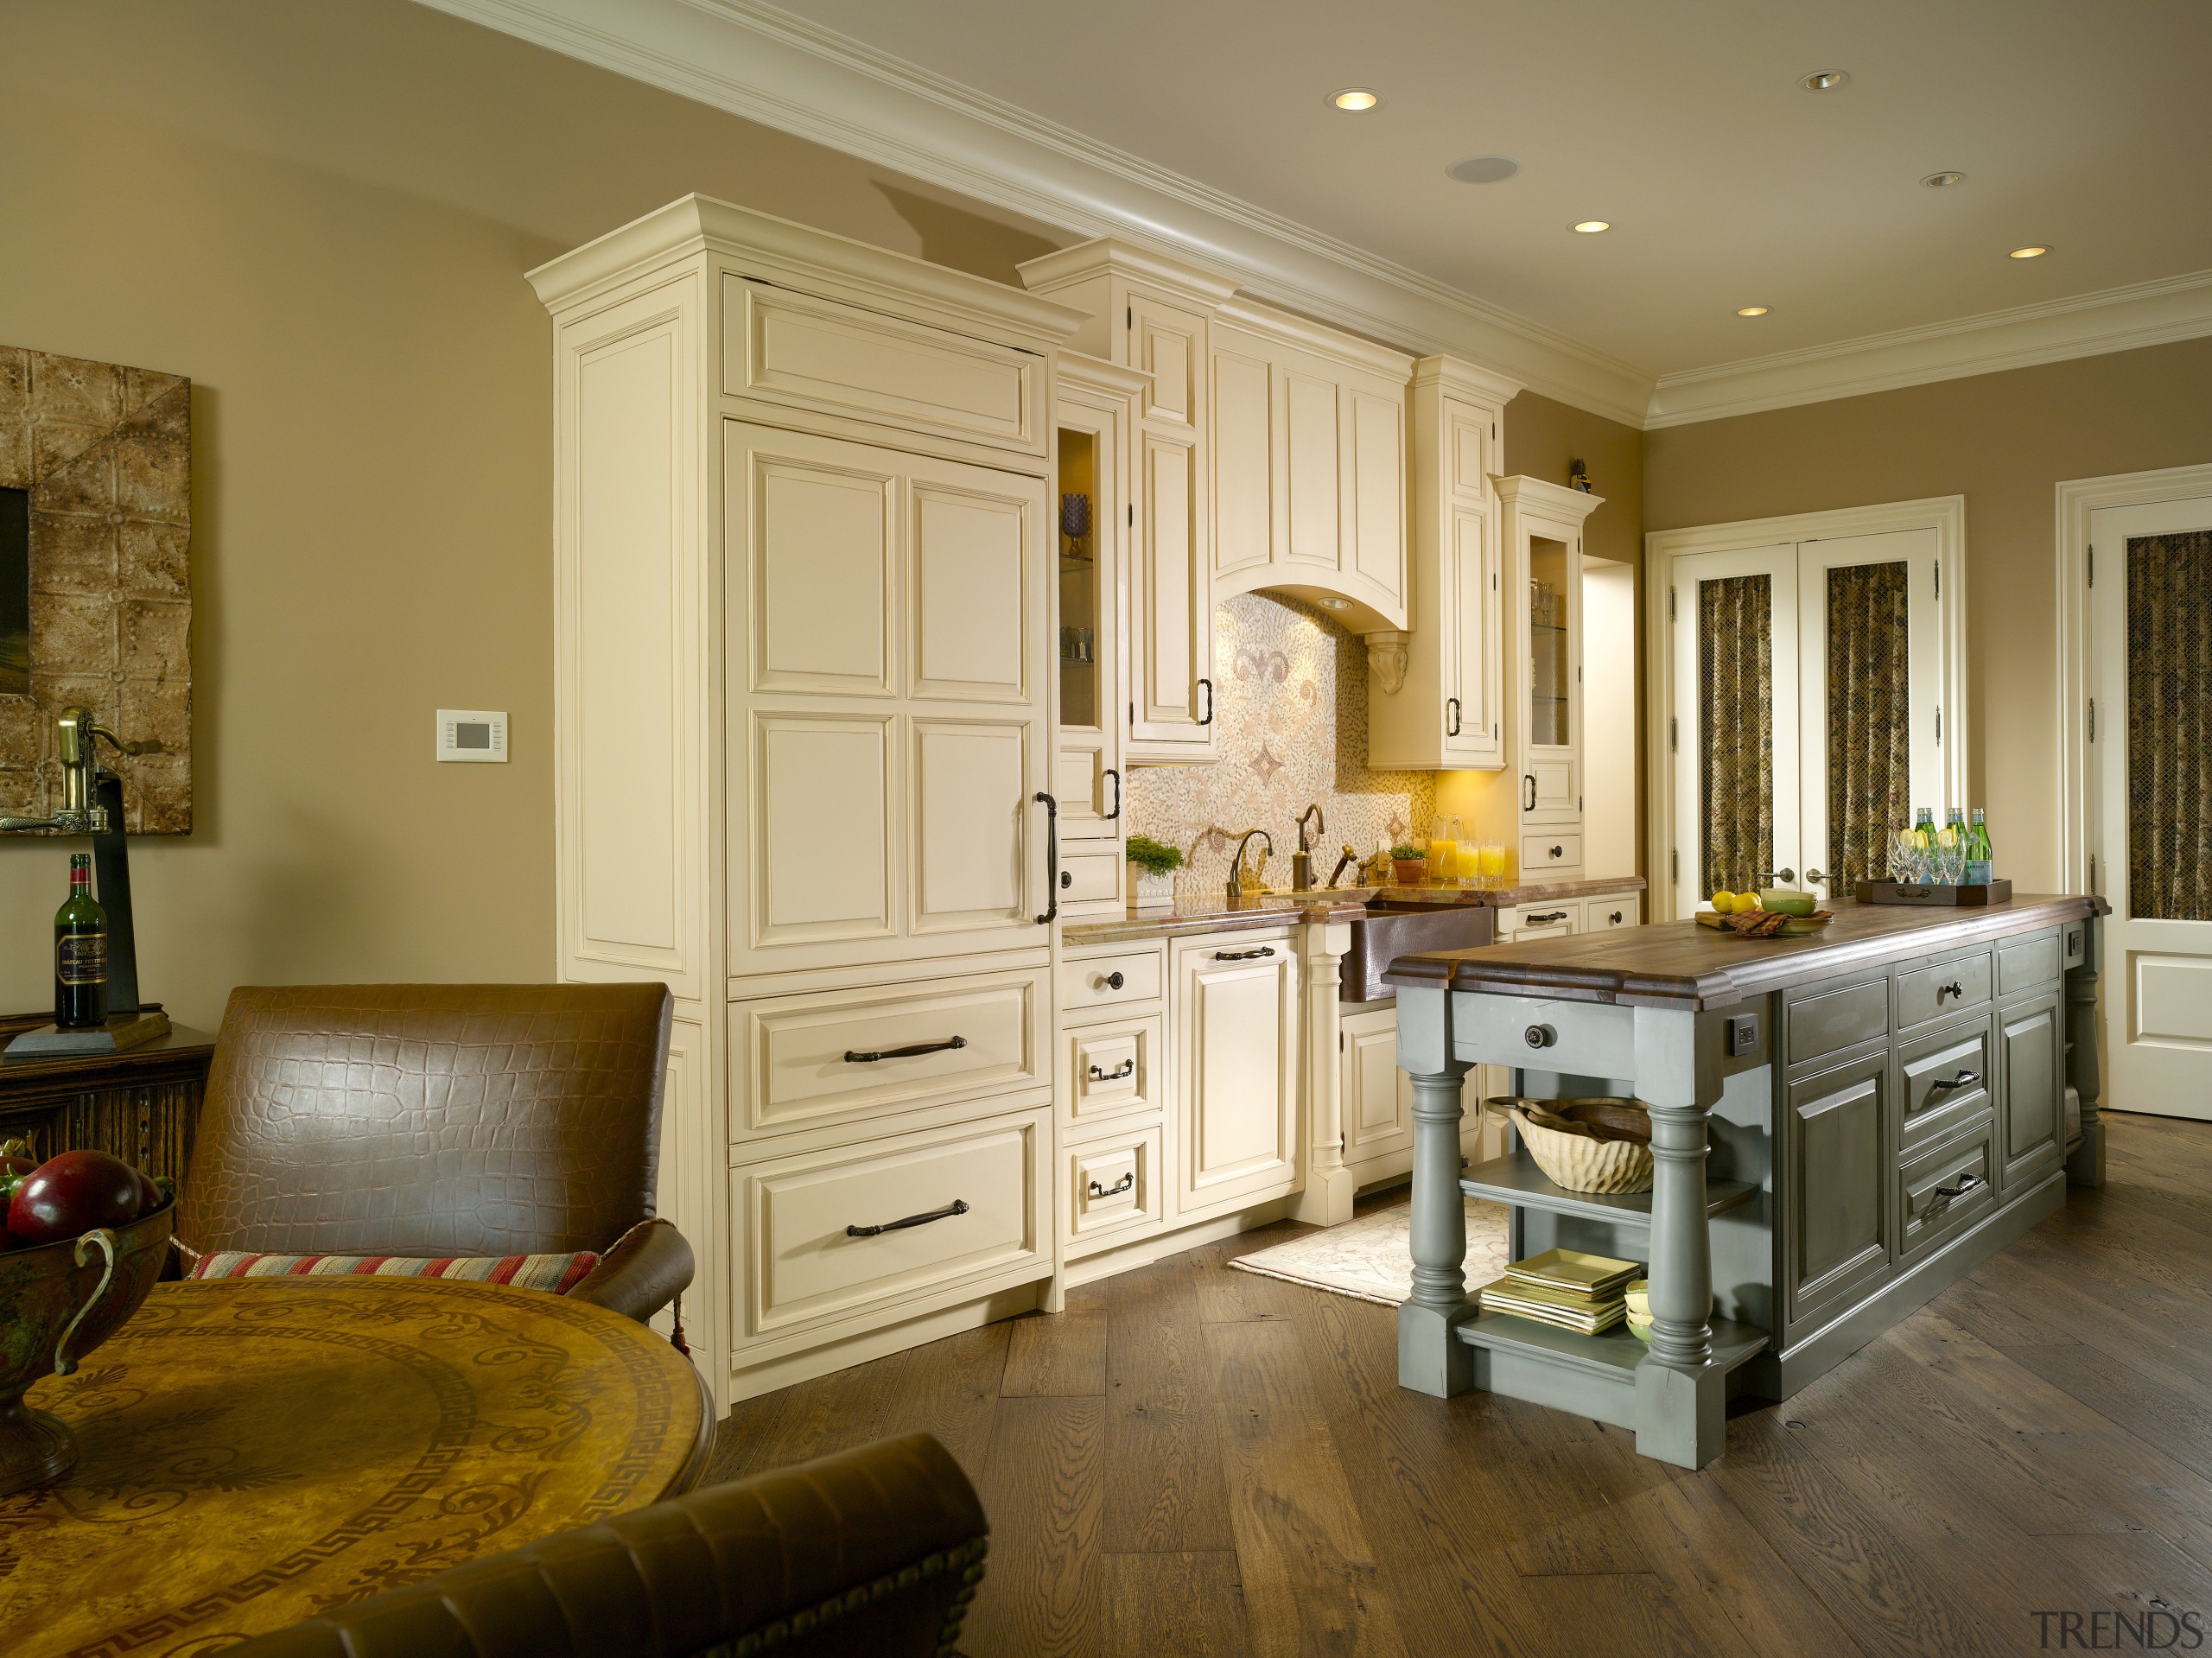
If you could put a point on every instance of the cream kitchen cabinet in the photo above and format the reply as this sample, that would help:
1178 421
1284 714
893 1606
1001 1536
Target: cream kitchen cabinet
1308 456
1149 313
1235 1026
804 679
1096 409
1437 688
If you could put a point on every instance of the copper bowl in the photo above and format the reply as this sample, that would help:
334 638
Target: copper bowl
58 1302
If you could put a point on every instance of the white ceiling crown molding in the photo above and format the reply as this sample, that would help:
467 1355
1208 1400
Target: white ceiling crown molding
768 65
2087 325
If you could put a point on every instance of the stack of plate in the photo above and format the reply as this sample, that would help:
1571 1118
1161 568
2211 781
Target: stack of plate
1639 1310
1564 1287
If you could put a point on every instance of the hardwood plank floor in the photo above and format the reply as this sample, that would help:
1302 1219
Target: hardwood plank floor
1197 1461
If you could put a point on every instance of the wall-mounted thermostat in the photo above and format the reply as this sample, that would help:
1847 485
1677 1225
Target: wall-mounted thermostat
472 734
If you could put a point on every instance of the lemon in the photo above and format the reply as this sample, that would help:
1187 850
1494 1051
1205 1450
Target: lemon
1724 903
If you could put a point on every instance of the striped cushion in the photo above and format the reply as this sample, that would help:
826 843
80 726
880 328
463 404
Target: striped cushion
559 1274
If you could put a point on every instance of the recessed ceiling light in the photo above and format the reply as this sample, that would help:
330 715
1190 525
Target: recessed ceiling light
1334 604
1824 80
1750 310
2027 253
1591 226
1944 181
1484 170
1353 99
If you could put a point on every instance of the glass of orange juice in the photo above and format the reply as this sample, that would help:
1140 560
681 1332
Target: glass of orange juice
1491 856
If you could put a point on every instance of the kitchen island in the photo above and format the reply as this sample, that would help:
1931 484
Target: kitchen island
1842 1126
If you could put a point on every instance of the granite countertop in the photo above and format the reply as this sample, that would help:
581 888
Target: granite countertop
1217 912
1680 964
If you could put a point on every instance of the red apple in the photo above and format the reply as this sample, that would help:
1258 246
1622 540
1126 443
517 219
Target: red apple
71 1194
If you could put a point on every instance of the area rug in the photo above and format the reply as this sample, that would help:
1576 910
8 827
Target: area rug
1368 1257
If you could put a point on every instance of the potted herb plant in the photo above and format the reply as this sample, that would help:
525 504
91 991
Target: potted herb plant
1408 864
1151 872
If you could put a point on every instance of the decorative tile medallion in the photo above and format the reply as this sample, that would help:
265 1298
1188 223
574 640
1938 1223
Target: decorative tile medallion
1293 709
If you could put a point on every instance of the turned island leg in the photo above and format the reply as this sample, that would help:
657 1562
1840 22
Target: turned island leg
1430 1358
2087 1165
1680 1394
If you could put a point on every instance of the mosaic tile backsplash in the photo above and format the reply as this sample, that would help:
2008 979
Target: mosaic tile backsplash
1292 688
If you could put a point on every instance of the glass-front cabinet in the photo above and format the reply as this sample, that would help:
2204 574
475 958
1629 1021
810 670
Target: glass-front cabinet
1095 410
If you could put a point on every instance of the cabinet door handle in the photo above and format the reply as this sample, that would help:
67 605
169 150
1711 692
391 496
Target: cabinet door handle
955 1207
1127 1068
1452 706
1116 1189
1113 981
1964 1079
1052 858
1243 955
1117 776
1208 683
854 1056
1529 804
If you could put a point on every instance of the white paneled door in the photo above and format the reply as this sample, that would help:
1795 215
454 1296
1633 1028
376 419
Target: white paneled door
2150 681
887 719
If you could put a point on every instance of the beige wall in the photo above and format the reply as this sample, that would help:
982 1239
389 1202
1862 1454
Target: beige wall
2003 441
321 213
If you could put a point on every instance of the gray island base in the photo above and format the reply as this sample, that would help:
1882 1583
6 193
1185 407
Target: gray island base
1841 1126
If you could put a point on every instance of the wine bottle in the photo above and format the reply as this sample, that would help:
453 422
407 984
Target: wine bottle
80 953
1981 859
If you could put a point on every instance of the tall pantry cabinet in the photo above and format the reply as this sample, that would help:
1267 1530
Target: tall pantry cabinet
804 538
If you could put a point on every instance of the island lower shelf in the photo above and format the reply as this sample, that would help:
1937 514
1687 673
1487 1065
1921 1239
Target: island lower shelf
1515 1179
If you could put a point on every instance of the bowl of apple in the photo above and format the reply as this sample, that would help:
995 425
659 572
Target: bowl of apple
82 1244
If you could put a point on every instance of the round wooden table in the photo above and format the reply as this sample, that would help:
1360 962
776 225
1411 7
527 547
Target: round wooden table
254 1451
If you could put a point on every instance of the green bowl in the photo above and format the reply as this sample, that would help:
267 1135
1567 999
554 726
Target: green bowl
1787 902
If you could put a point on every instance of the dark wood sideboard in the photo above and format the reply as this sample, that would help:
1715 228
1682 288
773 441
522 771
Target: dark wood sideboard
141 1104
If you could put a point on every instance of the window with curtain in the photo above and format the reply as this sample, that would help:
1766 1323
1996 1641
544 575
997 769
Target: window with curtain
2170 727
1869 717
1736 694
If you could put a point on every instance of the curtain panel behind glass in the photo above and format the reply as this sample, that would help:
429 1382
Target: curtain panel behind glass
1736 720
1869 717
2170 727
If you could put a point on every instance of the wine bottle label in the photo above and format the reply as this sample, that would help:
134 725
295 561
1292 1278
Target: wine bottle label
81 958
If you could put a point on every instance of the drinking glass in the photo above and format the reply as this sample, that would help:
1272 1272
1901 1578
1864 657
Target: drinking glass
1905 865
1950 855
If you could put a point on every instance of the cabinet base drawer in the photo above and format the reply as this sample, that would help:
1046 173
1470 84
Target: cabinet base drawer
1540 920
1950 986
1089 877
1946 1188
1605 913
1113 1068
826 1057
868 1228
1114 1185
1544 851
1946 1076
1104 982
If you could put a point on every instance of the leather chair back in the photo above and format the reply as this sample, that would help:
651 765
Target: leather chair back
429 1120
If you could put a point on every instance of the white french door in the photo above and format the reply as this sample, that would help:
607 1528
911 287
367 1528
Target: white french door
1806 681
2150 682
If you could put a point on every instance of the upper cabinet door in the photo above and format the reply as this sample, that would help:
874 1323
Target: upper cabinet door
1374 540
1170 603
895 818
1094 534
1244 481
1472 719
1169 343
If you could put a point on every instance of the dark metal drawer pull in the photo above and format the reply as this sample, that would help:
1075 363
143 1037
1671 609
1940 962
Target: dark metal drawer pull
1546 920
956 1207
1243 955
1953 989
1117 776
1113 981
1127 1068
854 1056
1617 918
1117 1188
1559 852
1964 1079
1451 706
1945 1195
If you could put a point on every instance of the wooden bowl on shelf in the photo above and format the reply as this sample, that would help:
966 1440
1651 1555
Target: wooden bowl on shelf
1596 1144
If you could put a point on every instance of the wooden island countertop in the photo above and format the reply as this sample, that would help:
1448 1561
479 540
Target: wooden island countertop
1680 964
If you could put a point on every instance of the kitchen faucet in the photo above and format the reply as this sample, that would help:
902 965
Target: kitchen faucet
1301 861
1236 862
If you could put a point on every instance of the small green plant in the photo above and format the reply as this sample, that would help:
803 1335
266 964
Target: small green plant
1152 856
1407 854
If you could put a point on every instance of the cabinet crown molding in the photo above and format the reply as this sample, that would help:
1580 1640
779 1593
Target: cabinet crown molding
1083 369
1113 256
1319 338
793 255
1456 375
1524 492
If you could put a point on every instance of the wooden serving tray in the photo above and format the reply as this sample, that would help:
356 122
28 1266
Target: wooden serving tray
1964 898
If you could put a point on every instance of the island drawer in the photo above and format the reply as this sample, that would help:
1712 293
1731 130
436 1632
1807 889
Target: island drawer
1950 986
1946 1078
1826 1018
2026 962
1946 1188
